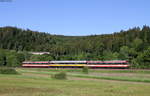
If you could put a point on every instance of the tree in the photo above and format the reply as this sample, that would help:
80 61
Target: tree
143 60
124 53
12 60
3 61
108 55
137 44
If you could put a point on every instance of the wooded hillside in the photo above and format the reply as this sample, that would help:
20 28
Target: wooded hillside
132 45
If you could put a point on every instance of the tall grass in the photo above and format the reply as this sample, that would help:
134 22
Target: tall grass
85 70
7 70
59 76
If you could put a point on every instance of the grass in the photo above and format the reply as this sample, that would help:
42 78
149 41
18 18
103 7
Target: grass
114 78
33 82
140 71
136 76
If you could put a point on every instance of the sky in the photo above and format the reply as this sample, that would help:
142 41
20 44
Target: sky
75 17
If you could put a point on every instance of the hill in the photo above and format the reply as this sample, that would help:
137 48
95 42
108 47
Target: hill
132 44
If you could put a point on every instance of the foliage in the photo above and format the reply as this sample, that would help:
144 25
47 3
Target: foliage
11 58
110 55
59 76
5 70
2 58
124 53
143 60
137 44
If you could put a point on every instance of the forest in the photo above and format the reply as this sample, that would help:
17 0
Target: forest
132 45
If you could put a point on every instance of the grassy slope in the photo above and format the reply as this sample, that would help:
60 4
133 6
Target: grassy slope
31 84
121 75
92 70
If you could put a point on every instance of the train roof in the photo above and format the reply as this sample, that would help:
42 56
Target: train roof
36 62
67 61
113 61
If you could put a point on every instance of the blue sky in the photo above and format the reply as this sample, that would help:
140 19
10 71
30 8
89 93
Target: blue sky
75 17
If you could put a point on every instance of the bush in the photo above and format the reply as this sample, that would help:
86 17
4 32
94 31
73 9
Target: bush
85 70
6 70
60 76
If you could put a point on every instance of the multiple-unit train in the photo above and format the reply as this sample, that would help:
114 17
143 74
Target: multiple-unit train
76 64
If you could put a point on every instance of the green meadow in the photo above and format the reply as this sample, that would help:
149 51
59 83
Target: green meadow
99 82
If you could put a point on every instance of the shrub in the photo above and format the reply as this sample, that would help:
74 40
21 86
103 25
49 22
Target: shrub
60 76
5 70
85 70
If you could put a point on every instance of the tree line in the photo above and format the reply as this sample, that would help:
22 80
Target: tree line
132 45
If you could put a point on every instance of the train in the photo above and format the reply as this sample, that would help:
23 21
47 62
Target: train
77 64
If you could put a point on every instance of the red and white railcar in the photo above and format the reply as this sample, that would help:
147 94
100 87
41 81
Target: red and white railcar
36 64
108 64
